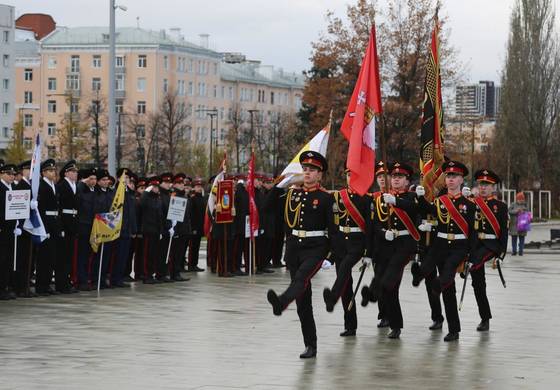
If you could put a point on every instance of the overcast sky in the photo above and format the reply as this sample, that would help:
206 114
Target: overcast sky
280 32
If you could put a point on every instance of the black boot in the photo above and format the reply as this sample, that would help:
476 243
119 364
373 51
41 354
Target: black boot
451 336
365 296
383 323
416 274
310 352
348 332
394 334
436 325
275 302
483 326
329 299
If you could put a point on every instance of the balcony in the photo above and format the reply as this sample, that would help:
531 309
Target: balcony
120 94
75 93
73 70
120 70
74 117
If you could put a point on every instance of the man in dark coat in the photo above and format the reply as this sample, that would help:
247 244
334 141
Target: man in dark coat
152 228
102 204
198 202
8 231
25 246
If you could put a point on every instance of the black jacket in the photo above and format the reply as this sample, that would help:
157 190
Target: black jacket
129 226
197 217
48 204
152 214
86 201
6 227
68 201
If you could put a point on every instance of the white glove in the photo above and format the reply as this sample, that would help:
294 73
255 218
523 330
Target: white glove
326 264
48 236
420 191
366 261
160 236
171 232
389 235
148 189
466 192
33 204
425 227
389 199
62 234
17 232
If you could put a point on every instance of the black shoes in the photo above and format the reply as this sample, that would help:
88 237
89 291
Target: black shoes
394 334
416 274
179 278
451 336
150 281
266 271
365 296
195 269
329 299
383 323
436 325
483 326
348 333
310 352
275 302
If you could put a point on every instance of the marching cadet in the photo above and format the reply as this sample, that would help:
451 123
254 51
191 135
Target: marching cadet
197 224
102 204
165 196
311 231
395 214
121 247
491 224
8 231
86 201
47 254
25 246
152 228
68 199
181 231
352 217
454 241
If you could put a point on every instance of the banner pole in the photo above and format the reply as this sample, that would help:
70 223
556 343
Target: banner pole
100 265
15 250
250 265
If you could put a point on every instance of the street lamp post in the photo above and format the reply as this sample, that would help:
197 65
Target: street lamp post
211 113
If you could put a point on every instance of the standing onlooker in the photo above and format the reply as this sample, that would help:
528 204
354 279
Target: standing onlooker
515 209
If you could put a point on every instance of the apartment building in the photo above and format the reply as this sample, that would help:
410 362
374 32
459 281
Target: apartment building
7 88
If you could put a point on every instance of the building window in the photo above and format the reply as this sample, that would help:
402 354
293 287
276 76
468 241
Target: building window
141 131
181 87
165 62
74 107
165 85
96 63
74 64
191 88
51 151
119 82
51 128
28 120
119 106
142 61
72 82
28 74
27 143
6 84
230 93
191 65
6 60
5 132
215 68
215 91
119 61
52 62
6 36
27 97
141 107
51 84
51 106
141 84
272 98
5 108
96 84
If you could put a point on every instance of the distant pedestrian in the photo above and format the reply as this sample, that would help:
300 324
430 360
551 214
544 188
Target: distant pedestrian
516 210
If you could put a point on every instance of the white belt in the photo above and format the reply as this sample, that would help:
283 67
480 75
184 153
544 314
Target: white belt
51 213
451 236
309 233
349 229
401 233
70 211
484 236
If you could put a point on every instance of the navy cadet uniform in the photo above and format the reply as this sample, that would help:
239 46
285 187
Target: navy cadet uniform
86 200
139 239
25 244
68 199
165 196
48 258
491 243
394 227
7 231
451 247
103 199
310 228
152 228
349 249
181 232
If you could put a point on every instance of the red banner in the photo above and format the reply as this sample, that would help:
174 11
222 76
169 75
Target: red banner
224 204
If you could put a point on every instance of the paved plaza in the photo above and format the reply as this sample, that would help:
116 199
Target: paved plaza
217 333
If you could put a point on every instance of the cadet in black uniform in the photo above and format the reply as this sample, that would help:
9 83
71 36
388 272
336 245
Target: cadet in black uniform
491 226
165 195
197 225
25 245
454 241
8 230
102 204
86 201
181 231
311 231
68 199
47 256
352 217
152 228
394 219
139 240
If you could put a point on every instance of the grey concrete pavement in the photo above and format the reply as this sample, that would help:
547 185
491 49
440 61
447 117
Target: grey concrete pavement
215 333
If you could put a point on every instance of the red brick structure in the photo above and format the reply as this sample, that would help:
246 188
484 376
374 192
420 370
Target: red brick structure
41 24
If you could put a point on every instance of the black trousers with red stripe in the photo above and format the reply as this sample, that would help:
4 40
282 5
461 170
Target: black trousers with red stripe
304 261
478 276
343 288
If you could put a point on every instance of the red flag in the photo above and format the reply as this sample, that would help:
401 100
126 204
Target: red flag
359 122
253 212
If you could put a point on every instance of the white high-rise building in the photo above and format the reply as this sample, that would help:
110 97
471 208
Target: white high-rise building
7 87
